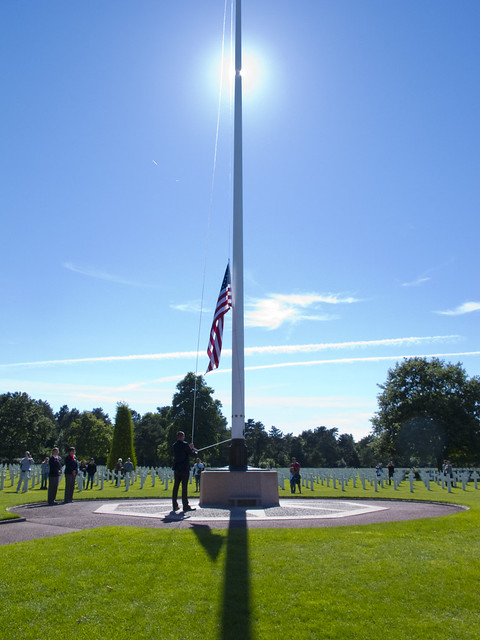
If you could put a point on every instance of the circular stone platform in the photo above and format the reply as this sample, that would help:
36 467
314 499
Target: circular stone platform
40 521
288 510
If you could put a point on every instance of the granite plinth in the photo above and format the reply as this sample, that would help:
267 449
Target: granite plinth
249 488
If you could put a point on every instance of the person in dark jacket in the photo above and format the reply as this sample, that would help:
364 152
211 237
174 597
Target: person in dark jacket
391 471
91 471
181 470
54 473
71 470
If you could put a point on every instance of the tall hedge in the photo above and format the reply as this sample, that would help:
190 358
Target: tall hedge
122 443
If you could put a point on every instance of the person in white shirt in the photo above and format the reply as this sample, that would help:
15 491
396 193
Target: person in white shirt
198 467
25 468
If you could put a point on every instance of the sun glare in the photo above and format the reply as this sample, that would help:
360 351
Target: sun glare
253 74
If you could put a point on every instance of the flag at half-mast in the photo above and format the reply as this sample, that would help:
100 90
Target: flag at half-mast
224 303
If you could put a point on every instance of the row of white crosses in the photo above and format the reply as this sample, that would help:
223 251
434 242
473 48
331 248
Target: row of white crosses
338 478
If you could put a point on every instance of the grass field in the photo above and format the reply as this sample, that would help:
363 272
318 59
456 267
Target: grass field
414 579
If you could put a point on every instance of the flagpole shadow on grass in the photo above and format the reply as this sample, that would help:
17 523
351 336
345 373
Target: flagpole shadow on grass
236 621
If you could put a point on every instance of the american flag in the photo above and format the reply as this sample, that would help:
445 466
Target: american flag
224 303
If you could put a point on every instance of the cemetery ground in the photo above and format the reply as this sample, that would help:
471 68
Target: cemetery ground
410 579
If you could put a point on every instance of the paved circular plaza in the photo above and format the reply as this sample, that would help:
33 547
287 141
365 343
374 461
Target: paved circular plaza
40 520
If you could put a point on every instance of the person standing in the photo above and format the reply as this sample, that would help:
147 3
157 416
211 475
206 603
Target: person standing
118 468
295 476
54 473
91 471
71 470
25 468
391 471
181 470
45 471
127 469
128 466
198 467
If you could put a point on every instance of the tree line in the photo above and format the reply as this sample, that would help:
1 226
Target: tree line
428 410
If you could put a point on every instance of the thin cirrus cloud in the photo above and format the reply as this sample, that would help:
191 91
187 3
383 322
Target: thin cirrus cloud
466 307
417 282
92 272
278 309
272 350
190 307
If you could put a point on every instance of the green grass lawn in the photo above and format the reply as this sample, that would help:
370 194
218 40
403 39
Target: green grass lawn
414 579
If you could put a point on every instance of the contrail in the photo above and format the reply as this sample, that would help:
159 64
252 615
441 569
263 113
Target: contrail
273 349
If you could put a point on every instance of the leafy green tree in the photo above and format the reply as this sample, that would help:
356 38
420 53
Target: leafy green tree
320 447
347 451
149 433
428 410
64 419
91 437
100 414
122 442
210 424
256 441
297 450
278 448
366 451
25 423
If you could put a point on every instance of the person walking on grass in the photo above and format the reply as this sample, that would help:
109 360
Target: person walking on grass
181 470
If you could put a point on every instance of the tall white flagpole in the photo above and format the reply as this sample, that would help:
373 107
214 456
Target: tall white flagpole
238 451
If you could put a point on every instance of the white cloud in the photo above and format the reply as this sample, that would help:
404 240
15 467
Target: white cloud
383 342
309 363
277 309
466 307
92 272
416 283
273 349
189 307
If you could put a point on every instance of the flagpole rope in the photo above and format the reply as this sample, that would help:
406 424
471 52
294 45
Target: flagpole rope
215 445
210 207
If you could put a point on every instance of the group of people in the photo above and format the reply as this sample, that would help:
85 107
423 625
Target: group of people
390 469
51 471
53 466
182 452
447 468
122 468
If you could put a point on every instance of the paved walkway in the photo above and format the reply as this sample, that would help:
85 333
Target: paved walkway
40 520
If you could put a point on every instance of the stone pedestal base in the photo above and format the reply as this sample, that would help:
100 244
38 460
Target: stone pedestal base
250 488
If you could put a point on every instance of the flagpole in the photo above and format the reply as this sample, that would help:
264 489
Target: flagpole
238 451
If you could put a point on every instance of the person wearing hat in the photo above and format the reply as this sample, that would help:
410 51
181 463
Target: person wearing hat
25 468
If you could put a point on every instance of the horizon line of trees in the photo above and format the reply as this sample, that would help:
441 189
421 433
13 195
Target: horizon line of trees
428 411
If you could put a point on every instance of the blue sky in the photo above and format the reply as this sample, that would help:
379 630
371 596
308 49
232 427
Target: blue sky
361 199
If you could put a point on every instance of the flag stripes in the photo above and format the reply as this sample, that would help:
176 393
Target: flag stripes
224 303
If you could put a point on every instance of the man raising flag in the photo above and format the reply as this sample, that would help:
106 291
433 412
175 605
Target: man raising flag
224 303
